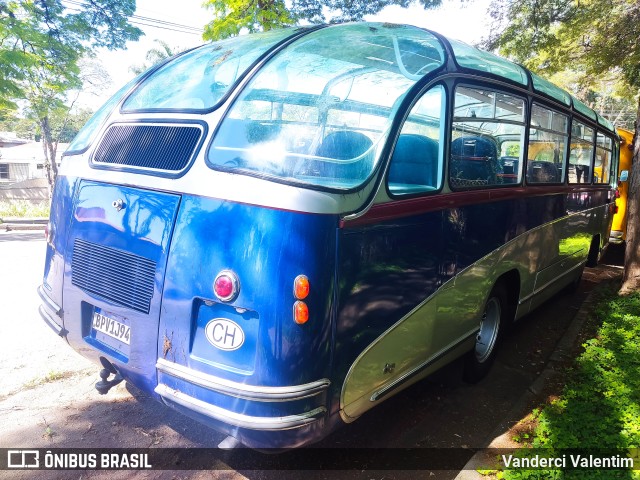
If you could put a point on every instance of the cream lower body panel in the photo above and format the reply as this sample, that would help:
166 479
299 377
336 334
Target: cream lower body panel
442 327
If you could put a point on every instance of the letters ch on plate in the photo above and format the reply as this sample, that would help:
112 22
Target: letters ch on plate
224 334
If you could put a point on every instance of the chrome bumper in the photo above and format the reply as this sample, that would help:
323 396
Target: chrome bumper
51 312
615 237
248 392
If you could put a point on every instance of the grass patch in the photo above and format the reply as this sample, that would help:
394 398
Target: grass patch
599 407
52 376
24 209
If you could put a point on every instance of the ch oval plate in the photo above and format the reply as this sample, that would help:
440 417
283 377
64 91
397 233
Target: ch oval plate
224 334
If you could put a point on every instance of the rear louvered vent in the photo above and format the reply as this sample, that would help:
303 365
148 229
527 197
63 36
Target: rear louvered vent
121 277
158 147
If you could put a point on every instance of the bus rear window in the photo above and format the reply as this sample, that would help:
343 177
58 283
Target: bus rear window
318 113
199 79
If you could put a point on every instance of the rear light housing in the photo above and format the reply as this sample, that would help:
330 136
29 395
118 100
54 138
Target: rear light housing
301 287
226 286
300 312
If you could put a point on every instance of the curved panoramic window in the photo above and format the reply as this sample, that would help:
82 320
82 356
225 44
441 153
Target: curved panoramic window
319 111
87 133
199 79
416 164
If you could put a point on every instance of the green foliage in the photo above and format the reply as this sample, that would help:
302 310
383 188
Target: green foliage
24 209
65 124
600 405
592 47
231 17
43 41
545 34
41 45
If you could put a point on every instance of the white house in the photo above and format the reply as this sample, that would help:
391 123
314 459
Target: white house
24 162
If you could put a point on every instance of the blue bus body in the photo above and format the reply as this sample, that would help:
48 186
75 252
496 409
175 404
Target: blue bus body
154 201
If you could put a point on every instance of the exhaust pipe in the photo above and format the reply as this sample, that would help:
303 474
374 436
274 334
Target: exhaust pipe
104 385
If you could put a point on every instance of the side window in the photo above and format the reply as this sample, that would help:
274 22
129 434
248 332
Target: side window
548 134
604 154
581 153
416 164
487 139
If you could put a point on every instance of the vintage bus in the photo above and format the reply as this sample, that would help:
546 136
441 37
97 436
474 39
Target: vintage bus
619 225
276 232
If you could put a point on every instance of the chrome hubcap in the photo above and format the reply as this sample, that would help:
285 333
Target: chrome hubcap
488 333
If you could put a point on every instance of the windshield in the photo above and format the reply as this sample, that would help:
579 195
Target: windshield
199 79
320 110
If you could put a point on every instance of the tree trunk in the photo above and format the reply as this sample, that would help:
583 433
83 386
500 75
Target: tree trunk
49 146
631 275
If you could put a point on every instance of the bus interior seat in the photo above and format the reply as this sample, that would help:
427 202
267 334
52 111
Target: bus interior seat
343 145
509 164
414 163
542 172
582 173
474 161
510 167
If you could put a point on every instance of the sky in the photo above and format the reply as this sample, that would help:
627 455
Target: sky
467 21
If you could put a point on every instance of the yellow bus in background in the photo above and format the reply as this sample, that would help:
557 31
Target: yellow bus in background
619 225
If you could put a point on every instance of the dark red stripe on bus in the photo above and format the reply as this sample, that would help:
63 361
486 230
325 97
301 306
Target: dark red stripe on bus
412 206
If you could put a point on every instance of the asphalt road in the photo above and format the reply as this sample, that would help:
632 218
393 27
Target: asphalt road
47 398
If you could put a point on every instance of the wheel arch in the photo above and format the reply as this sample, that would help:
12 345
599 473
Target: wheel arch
511 281
594 251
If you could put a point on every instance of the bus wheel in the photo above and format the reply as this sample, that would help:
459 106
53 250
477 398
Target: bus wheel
479 360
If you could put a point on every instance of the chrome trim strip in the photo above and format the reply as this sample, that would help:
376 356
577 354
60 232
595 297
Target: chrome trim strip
239 419
60 331
384 391
53 306
239 390
548 284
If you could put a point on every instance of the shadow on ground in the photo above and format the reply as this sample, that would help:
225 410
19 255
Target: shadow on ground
441 412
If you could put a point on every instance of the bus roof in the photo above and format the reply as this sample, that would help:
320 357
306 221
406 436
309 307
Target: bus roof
472 58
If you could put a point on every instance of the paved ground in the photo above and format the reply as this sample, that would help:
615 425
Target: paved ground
47 398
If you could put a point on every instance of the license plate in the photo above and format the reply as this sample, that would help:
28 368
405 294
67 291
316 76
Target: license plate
111 327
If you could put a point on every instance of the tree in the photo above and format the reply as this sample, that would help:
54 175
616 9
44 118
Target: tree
155 55
231 17
597 37
42 43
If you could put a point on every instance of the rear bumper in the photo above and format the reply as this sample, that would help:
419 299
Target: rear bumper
248 392
616 236
51 312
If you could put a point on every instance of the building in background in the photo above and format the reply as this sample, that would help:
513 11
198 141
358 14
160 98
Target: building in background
22 159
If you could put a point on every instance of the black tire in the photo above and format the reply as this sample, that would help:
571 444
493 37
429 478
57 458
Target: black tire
494 318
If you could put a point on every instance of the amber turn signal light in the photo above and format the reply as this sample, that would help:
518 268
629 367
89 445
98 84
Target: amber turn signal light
301 287
300 312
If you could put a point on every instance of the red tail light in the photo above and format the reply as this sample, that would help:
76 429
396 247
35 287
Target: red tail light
226 286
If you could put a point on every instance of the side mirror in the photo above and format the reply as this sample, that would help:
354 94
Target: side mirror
624 175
